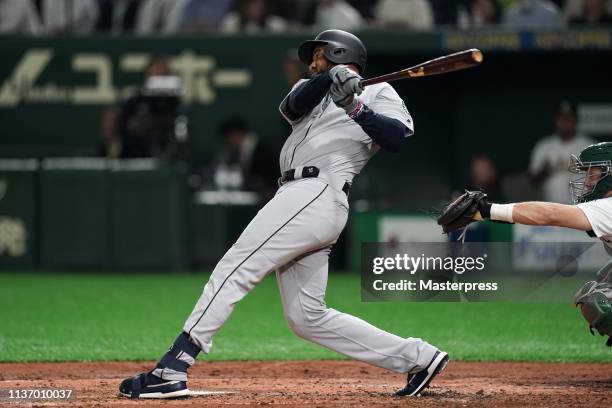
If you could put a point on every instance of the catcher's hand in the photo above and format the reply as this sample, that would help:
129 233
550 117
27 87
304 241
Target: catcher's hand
469 207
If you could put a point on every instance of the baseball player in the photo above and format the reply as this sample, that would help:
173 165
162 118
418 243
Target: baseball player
336 128
591 191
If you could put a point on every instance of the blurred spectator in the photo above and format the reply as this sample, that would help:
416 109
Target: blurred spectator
365 8
533 15
66 16
485 13
19 17
573 9
151 123
550 156
160 16
405 14
448 13
484 176
204 16
110 141
244 162
594 13
251 17
337 14
293 70
298 12
117 16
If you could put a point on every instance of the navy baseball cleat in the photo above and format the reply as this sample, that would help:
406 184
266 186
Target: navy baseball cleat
146 385
419 381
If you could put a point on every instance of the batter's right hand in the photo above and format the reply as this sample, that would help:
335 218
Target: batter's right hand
346 78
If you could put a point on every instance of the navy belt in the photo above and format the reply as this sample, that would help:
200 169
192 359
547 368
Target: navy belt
306 172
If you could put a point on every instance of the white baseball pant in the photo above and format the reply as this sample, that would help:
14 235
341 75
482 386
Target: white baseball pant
292 235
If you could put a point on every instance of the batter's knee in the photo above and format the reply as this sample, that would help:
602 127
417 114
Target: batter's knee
304 321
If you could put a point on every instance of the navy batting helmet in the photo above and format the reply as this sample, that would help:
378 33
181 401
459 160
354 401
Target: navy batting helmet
341 47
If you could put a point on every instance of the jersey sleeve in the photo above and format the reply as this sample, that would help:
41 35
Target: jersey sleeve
599 214
283 102
387 102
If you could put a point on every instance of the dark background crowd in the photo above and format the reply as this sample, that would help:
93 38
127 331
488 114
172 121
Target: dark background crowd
508 126
153 123
192 17
153 126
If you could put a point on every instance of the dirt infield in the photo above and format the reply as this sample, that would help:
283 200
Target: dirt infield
325 383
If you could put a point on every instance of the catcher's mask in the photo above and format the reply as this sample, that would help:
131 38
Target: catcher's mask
593 173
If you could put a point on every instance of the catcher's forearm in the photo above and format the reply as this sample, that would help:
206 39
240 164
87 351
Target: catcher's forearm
535 213
543 213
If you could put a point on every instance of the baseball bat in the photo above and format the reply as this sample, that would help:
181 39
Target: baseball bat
441 65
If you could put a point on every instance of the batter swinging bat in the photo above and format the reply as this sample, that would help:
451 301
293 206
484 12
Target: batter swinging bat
448 63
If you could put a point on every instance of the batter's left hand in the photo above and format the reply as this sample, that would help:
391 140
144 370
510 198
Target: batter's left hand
343 99
345 78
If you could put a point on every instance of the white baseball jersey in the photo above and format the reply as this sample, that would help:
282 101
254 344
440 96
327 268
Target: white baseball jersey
599 214
328 139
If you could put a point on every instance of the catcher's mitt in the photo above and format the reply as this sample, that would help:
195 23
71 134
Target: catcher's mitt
460 212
